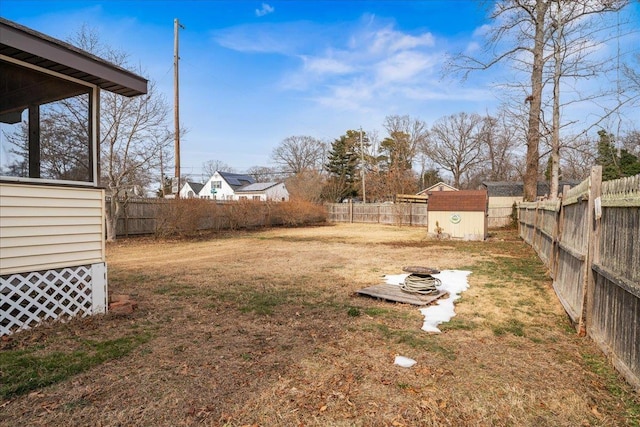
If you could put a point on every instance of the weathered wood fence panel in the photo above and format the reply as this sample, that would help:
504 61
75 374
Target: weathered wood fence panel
167 216
615 303
590 244
139 217
499 216
379 213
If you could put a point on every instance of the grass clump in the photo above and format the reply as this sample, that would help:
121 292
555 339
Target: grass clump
354 312
511 326
415 339
22 371
263 303
599 365
457 324
375 311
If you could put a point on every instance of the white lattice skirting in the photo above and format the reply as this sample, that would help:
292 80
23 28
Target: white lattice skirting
27 299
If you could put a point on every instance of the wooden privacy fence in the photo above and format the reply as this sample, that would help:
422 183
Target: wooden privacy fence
139 217
379 213
590 241
167 216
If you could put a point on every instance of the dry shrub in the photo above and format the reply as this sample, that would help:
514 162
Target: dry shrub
181 217
297 212
246 214
186 217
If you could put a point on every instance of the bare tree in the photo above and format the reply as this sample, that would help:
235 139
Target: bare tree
133 133
499 137
524 34
407 135
578 156
306 185
210 167
577 28
631 142
265 174
456 144
298 153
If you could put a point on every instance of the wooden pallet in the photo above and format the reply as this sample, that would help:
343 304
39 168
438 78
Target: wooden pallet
394 293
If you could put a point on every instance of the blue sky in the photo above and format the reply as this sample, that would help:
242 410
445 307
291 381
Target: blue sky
253 73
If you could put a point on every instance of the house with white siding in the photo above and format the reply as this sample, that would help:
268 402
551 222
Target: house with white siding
223 185
191 190
263 191
52 241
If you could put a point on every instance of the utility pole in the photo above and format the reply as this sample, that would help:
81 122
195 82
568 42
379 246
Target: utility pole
362 172
176 108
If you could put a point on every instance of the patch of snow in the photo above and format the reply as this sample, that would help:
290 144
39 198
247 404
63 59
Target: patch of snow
454 282
395 279
405 362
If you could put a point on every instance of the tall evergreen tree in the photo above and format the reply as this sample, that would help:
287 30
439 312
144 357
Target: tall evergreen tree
342 165
615 163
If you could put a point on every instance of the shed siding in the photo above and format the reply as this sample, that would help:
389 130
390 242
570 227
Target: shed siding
471 225
46 227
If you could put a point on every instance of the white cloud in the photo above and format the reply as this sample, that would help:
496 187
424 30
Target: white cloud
260 38
266 9
472 47
351 97
403 66
388 41
482 30
350 66
321 65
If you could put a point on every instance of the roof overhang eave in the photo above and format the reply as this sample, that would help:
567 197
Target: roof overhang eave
24 44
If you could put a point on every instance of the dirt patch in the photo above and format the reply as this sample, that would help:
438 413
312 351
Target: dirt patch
263 328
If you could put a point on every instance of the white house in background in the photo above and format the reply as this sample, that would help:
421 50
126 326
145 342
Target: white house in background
440 186
191 190
223 185
263 191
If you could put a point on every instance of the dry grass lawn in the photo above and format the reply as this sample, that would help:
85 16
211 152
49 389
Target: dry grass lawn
264 329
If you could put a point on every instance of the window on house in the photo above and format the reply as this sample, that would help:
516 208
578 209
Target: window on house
256 198
45 126
216 184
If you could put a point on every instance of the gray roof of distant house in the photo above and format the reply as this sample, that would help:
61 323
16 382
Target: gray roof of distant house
516 189
236 180
258 186
195 186
27 45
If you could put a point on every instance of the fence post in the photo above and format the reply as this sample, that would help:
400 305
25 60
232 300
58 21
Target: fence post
350 211
557 238
410 214
593 251
125 218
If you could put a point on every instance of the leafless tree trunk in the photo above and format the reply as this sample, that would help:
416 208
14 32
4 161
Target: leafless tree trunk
538 15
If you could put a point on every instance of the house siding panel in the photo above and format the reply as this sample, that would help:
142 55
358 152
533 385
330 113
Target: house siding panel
46 227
